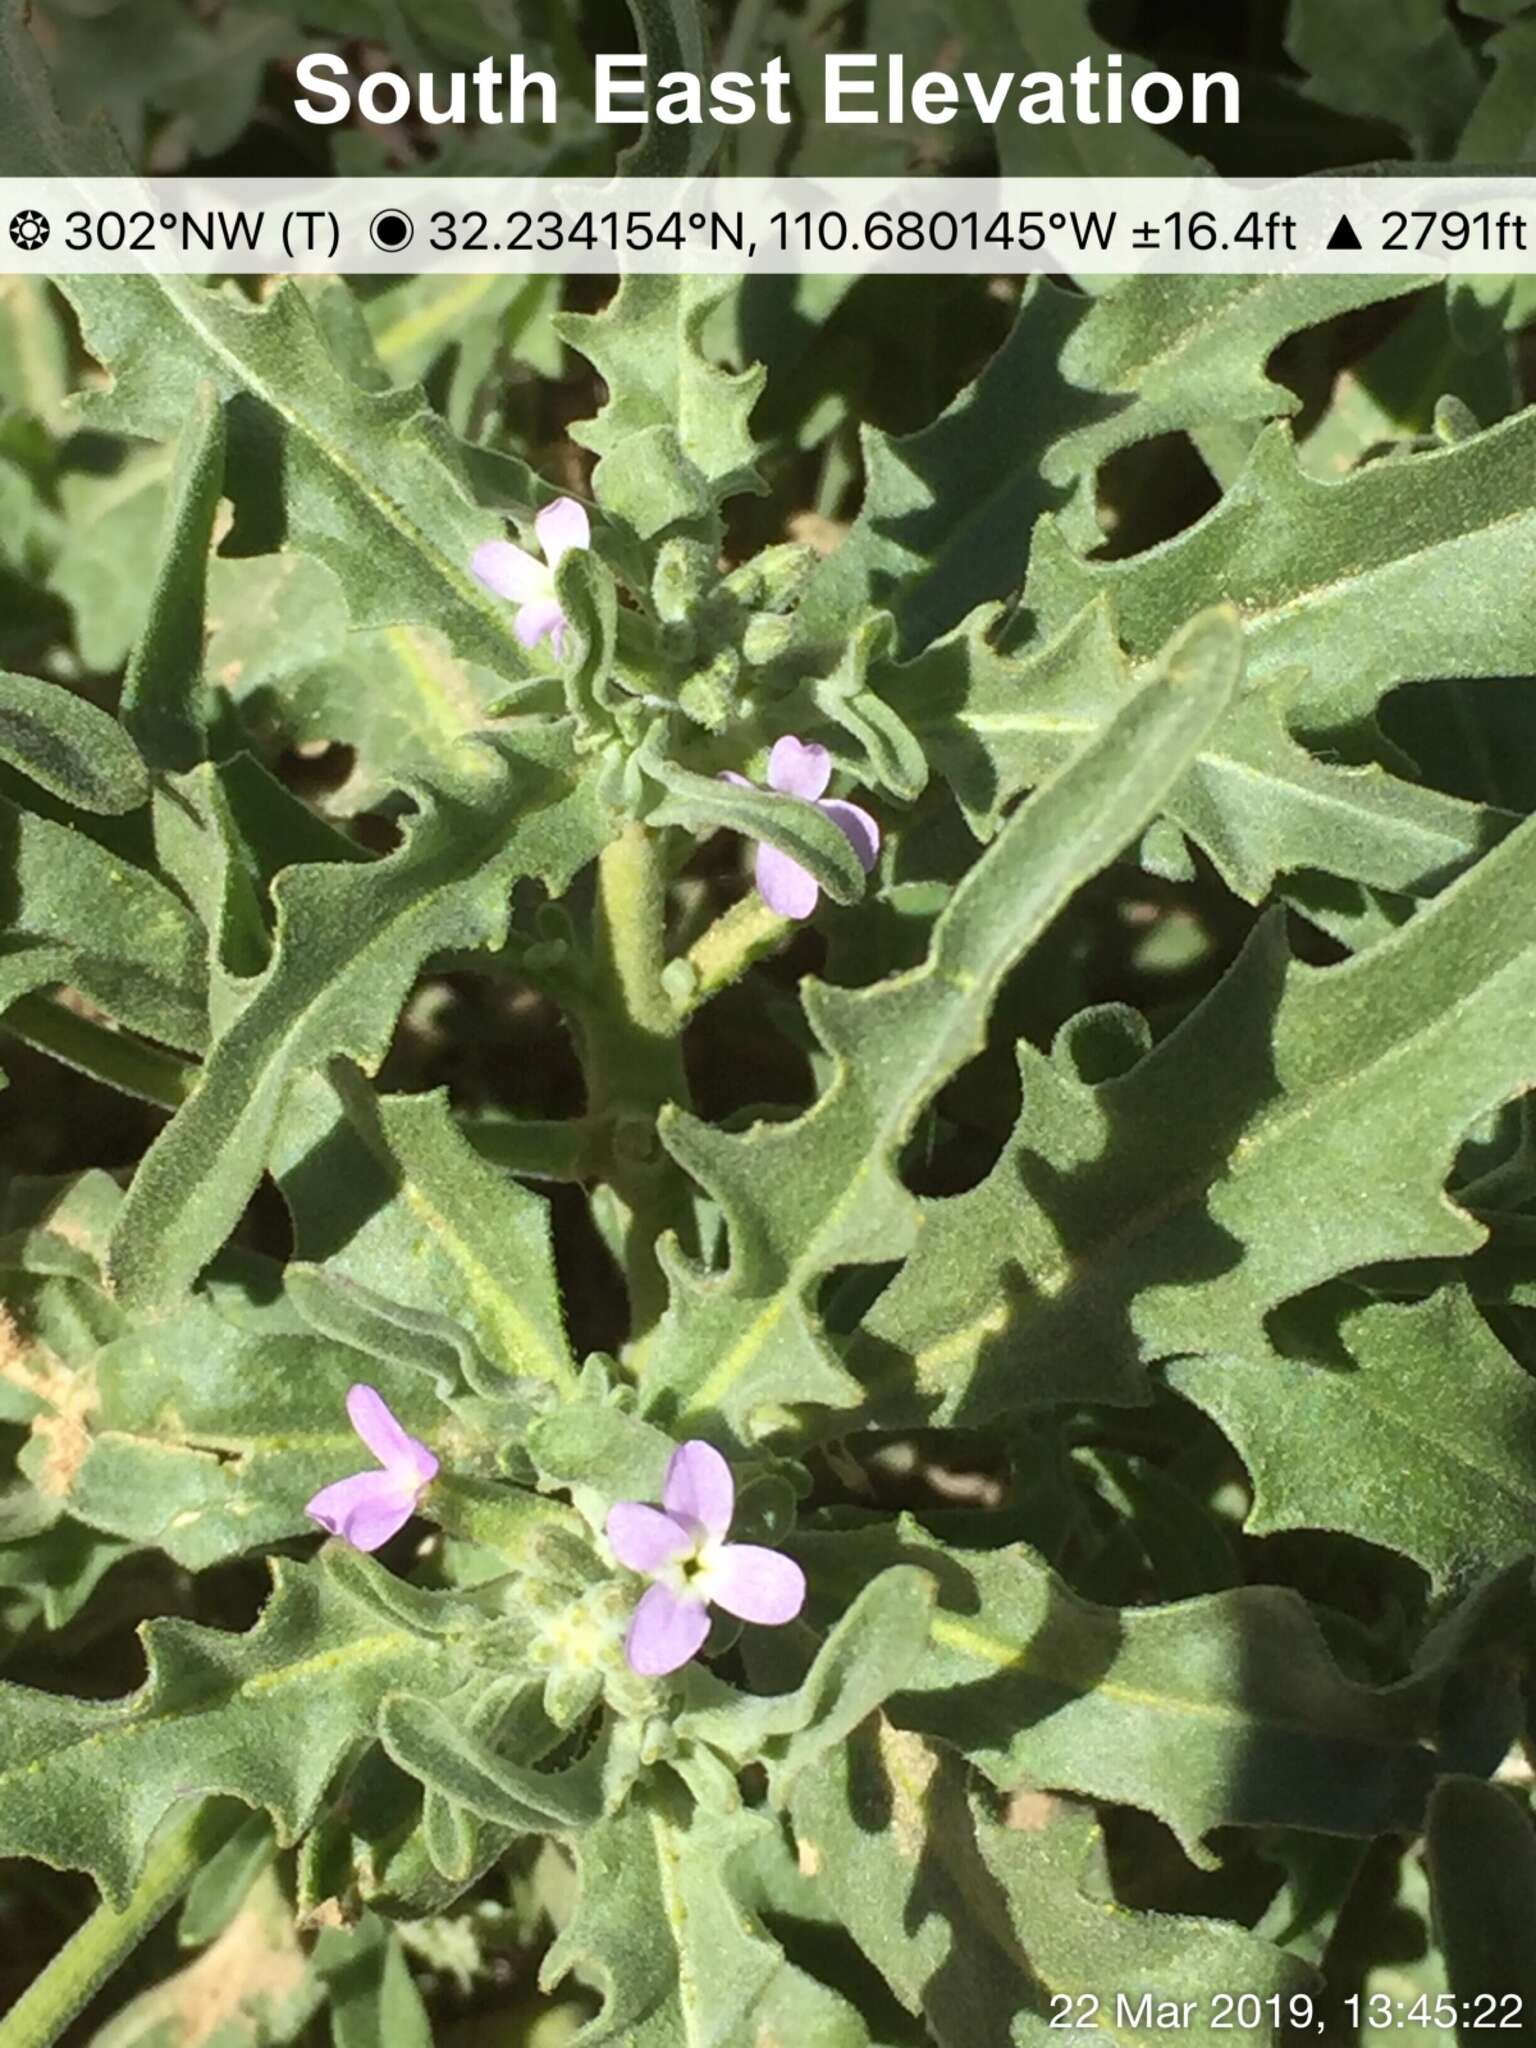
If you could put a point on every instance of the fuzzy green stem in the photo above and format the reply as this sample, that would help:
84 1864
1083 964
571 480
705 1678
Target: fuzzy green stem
631 917
724 952
110 1936
628 1032
108 1056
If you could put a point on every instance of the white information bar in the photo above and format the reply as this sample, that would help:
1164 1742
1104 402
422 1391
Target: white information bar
728 226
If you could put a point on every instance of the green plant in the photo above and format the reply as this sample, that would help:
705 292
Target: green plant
1074 1182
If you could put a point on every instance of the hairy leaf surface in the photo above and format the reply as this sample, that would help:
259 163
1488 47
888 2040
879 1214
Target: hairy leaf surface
822 1191
1169 1209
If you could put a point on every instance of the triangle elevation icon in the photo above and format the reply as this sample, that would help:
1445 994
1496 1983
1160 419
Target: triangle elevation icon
1344 236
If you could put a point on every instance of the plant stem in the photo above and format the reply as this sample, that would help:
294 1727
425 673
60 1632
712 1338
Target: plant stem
631 914
721 955
110 1936
108 1056
541 1149
628 1036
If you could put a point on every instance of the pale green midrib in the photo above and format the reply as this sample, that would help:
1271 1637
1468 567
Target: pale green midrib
1202 329
125 1724
461 583
482 1286
1001 1655
1059 1984
239 1445
1273 616
1000 1928
451 717
975 991
1505 1485
519 1336
431 319
272 1065
1211 320
1399 827
696 2033
1063 1276
675 1913
810 1261
1333 794
1263 619
1297 786
920 1081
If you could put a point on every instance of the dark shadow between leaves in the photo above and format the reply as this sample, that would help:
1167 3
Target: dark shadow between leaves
984 1980
1131 1219
979 472
336 1188
1058 1663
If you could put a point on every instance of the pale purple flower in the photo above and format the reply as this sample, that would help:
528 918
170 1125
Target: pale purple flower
367 1509
803 769
681 1548
511 572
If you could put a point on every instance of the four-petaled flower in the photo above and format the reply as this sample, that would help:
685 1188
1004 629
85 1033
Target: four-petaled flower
798 768
681 1548
511 572
368 1508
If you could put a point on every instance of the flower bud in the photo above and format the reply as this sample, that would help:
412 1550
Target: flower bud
684 571
767 636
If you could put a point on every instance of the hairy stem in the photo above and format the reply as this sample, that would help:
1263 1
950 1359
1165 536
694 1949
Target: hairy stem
631 949
110 1936
724 952
628 1036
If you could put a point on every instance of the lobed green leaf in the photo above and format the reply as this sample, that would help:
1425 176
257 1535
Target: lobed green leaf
803 1197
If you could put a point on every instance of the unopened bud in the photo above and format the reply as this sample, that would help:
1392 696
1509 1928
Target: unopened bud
684 571
767 636
774 580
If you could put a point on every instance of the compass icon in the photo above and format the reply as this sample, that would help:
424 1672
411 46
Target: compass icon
29 230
